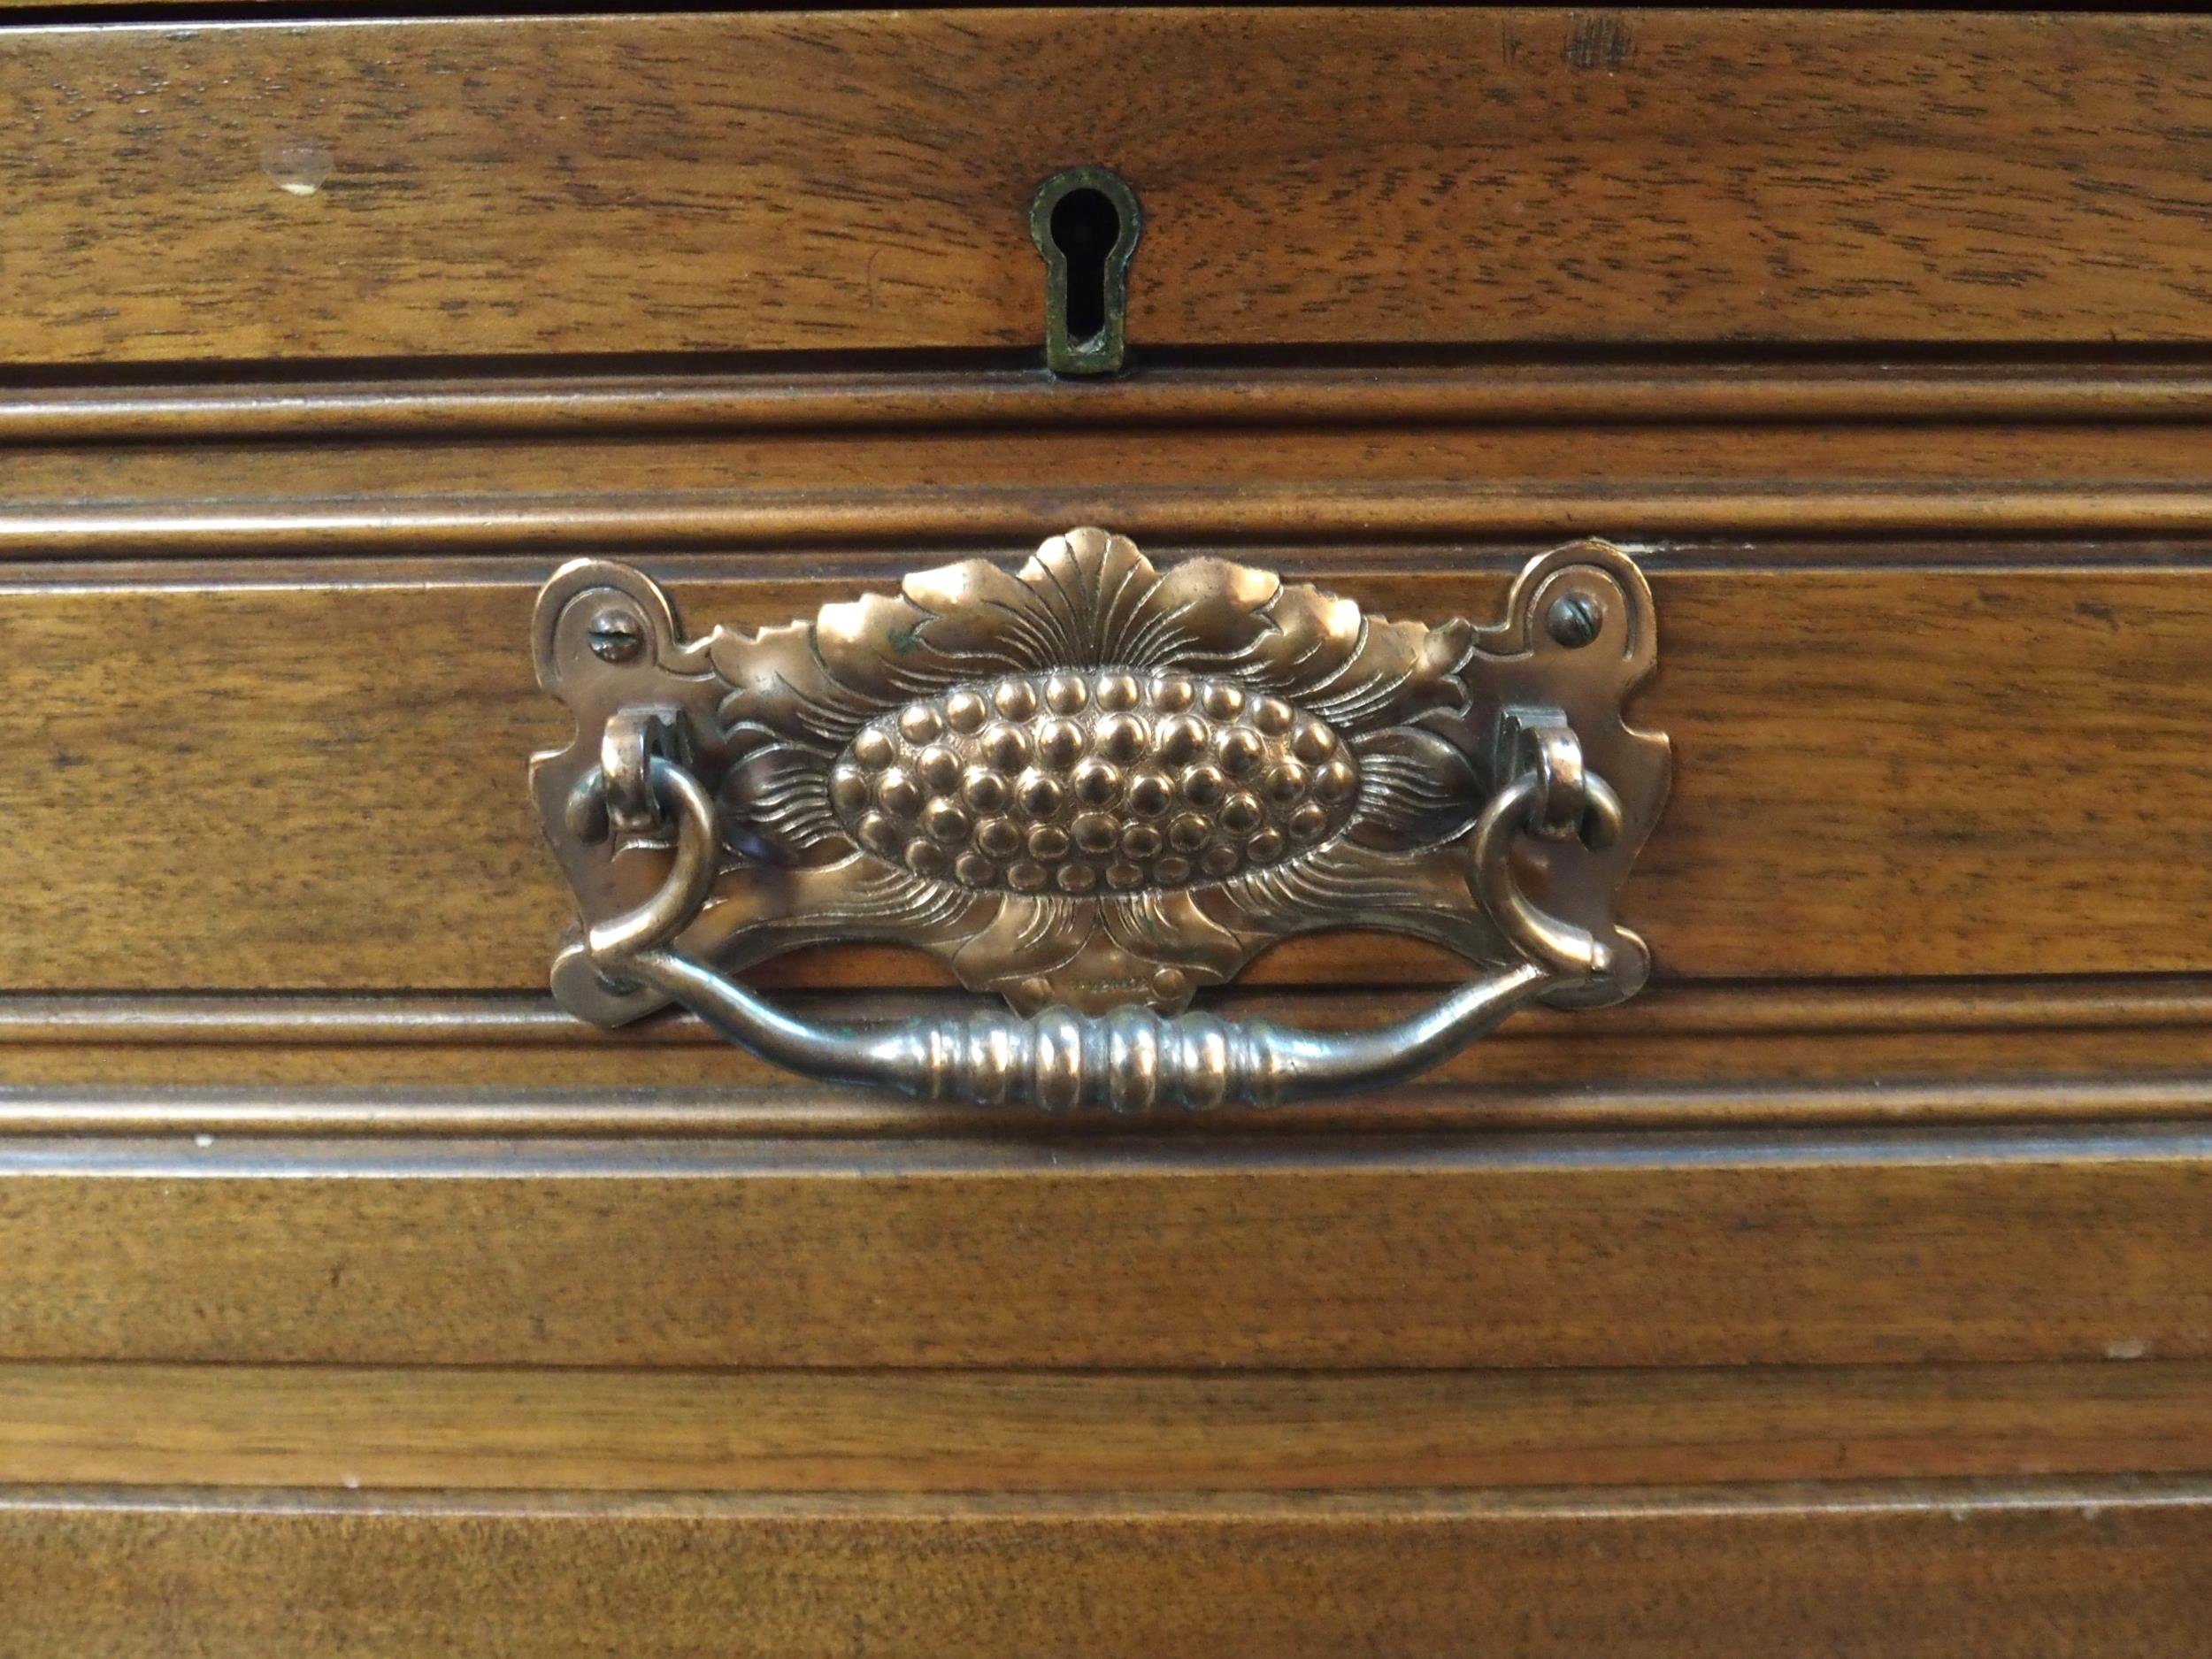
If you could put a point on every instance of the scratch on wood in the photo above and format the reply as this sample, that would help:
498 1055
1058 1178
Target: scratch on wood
1599 42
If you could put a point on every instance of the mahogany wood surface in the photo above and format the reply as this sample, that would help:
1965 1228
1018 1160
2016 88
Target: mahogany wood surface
882 491
2031 1570
243 777
1493 387
1685 1054
758 182
470 1100
1846 1295
996 1431
1865 1246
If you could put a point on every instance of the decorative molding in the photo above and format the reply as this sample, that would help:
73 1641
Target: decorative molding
1244 514
1382 393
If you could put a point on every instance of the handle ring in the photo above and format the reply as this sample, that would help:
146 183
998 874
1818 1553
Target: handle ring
1129 1060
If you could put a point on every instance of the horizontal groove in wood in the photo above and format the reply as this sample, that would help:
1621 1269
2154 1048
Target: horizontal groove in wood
1512 1251
1388 395
2115 1003
1854 796
290 1092
2060 1569
1477 561
851 181
1343 562
1811 1497
1681 1054
329 1426
871 488
1229 514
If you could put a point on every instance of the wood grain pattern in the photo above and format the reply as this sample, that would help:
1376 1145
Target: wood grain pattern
765 181
341 1427
998 518
1854 796
879 493
1684 1053
1507 1251
381 1311
1485 389
891 456
293 1090
2056 1570
1854 1011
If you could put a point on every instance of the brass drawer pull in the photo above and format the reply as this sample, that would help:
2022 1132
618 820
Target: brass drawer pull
1093 788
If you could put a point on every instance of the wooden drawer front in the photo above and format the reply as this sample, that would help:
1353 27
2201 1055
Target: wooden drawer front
1931 639
342 1398
1931 660
852 180
1882 770
2010 1573
1845 1293
1868 1247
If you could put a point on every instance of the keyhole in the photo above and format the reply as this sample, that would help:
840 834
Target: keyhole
1085 227
1086 223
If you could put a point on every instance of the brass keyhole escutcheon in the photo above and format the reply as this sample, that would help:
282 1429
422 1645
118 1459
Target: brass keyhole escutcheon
1086 223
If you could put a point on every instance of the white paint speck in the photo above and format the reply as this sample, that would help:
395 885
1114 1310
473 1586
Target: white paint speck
203 1140
2126 1347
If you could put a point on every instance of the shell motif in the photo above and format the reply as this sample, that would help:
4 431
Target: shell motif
1104 778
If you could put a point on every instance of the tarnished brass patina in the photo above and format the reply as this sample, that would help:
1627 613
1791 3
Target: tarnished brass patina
1094 788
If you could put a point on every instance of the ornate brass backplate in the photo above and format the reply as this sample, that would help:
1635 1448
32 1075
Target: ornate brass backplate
1092 785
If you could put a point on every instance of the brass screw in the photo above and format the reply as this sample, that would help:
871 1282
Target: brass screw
1573 621
616 636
